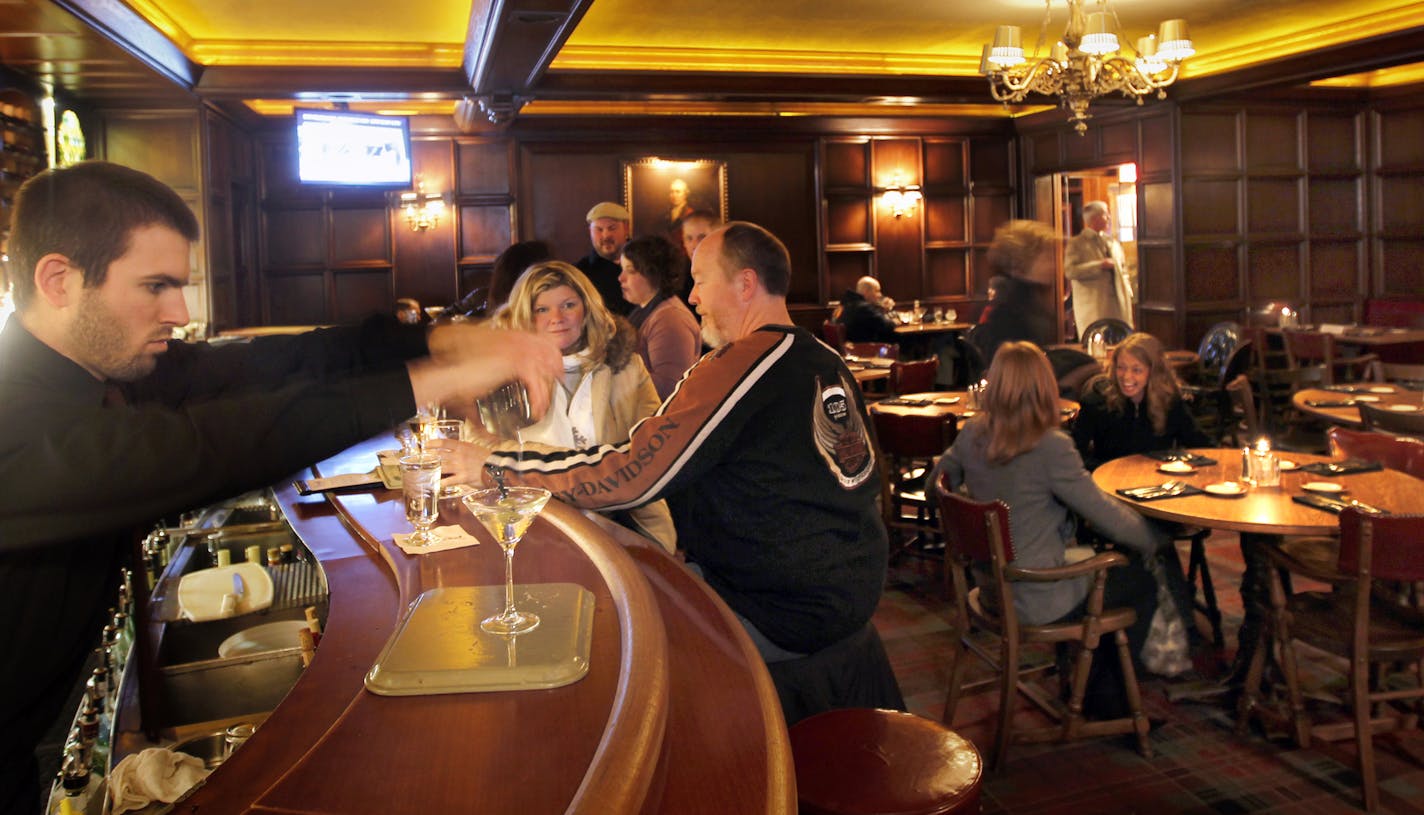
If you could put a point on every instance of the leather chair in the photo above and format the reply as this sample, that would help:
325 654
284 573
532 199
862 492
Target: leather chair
834 334
1376 634
978 533
1403 453
858 761
913 377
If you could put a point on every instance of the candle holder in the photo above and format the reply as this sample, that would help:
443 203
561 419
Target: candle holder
1263 467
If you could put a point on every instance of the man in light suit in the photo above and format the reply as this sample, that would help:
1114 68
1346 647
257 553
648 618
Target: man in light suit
1095 265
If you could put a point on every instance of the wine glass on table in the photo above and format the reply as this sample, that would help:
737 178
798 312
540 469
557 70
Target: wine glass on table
507 513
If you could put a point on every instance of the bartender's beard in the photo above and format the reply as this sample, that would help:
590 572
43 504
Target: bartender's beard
106 345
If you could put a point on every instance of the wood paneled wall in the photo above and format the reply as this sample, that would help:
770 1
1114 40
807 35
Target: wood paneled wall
1310 199
330 255
933 254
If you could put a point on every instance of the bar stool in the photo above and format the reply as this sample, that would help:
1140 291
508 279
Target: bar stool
863 761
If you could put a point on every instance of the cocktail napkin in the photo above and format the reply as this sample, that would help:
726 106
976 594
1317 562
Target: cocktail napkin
446 537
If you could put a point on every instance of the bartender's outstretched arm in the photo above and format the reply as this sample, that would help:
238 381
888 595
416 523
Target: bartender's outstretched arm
468 361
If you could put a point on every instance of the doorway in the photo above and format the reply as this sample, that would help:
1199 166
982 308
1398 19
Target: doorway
1059 200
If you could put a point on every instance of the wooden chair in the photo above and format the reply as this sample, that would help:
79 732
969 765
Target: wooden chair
913 377
1374 632
909 444
1305 348
1212 405
834 334
1375 417
1244 424
871 350
978 533
1400 372
1290 429
1403 453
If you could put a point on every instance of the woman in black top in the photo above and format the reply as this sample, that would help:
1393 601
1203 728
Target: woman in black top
1137 408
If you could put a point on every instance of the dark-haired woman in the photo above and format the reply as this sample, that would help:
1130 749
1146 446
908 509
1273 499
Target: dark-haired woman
669 338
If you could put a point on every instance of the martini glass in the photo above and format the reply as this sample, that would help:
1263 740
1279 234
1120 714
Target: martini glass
507 514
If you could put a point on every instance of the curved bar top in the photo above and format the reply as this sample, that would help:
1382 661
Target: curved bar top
676 714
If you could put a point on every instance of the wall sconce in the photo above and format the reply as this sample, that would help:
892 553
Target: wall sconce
901 198
422 209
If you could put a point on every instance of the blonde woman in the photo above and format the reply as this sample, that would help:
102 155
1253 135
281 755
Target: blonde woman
1014 451
605 388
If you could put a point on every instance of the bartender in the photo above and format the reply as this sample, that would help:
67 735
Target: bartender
106 424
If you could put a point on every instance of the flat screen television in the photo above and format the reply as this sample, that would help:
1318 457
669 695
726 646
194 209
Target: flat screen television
352 149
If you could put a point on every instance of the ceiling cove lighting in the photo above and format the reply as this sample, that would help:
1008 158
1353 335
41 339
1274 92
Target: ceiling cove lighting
1087 63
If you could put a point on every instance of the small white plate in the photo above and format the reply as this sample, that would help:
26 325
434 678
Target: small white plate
1366 398
1177 467
1322 486
1404 408
1287 464
947 400
1381 389
1226 489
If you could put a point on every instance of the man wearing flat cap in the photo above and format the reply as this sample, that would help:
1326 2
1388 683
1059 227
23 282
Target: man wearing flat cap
608 230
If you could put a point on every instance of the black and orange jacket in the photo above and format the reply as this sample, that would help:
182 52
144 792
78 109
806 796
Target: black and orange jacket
765 458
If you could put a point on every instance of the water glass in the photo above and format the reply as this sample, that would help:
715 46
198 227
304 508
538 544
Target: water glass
1263 468
950 315
420 479
452 429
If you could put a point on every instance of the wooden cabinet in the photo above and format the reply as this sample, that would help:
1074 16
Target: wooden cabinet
22 153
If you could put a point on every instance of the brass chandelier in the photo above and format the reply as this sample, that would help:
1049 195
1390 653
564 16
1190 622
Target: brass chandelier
1086 63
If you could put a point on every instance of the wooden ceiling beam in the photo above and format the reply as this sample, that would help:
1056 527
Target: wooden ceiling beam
133 34
510 43
723 86
288 82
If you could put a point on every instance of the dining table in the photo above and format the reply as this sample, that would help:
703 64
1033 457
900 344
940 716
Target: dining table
1339 404
1258 514
949 403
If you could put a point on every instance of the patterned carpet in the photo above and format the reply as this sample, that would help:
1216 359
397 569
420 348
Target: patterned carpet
1199 764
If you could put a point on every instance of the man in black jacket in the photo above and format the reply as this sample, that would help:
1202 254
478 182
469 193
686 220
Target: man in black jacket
865 312
107 425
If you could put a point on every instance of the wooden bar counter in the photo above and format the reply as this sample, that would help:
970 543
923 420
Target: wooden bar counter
676 714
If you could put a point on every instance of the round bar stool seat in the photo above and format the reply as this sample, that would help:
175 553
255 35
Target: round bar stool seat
861 761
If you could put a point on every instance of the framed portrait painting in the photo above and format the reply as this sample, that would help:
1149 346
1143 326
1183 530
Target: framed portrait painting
660 192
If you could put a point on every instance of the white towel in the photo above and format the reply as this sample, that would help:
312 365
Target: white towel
155 774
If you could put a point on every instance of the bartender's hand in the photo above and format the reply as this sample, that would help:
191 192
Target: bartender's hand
461 462
468 361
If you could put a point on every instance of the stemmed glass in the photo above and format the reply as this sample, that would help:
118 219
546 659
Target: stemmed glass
507 513
420 480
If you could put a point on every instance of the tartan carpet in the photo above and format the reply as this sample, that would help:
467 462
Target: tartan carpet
1199 764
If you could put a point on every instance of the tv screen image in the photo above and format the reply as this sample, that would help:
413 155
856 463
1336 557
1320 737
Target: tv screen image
352 149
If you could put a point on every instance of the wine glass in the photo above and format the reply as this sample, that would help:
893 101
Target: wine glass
420 481
507 514
449 429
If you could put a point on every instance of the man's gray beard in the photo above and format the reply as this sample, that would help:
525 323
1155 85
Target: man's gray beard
711 336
